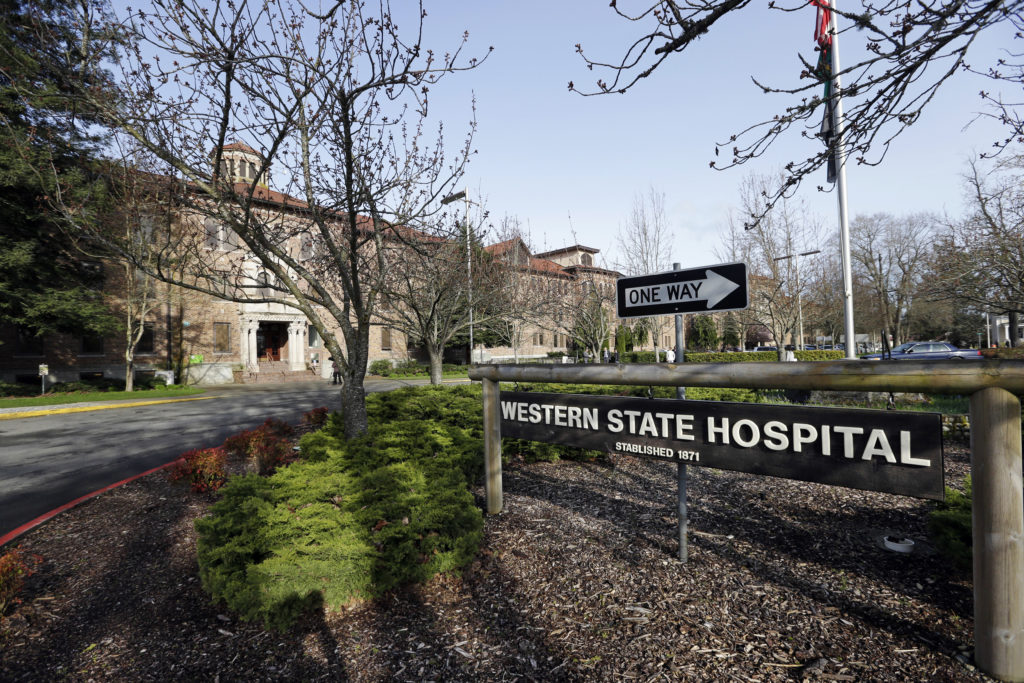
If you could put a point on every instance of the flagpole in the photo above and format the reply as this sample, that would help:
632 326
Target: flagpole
839 125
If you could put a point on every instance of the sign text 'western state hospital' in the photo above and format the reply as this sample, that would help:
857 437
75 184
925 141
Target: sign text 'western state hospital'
867 449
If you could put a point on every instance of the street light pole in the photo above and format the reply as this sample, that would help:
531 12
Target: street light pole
799 306
464 194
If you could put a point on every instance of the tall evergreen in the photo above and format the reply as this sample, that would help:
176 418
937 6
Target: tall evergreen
46 284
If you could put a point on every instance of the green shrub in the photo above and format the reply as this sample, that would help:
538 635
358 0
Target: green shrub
950 526
8 389
692 393
355 518
381 367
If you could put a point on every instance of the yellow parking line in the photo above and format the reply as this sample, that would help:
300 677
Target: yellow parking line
85 409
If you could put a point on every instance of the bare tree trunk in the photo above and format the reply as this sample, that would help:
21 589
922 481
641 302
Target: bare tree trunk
435 354
129 370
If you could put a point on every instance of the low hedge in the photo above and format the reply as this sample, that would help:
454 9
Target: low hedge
731 357
410 368
356 517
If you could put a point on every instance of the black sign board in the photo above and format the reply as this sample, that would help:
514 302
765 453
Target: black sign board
695 290
875 450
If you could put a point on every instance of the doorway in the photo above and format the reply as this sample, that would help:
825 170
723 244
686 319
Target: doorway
271 341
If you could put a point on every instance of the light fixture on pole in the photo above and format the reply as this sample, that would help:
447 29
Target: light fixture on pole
454 197
799 307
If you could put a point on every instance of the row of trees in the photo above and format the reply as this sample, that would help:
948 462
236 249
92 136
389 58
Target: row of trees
915 276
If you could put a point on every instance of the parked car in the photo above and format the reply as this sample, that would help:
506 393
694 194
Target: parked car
926 350
765 348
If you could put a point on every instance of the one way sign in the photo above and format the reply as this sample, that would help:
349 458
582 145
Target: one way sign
695 290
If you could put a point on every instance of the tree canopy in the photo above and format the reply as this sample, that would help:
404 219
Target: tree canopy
46 284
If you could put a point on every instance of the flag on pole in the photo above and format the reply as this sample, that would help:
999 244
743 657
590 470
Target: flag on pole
823 70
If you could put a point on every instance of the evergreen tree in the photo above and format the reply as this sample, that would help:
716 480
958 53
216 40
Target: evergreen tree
46 285
703 334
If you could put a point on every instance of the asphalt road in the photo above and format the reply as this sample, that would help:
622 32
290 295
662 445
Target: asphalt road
48 461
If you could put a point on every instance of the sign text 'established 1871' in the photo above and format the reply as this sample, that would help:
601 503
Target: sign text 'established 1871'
875 450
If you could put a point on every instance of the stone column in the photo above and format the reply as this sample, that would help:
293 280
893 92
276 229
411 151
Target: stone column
252 362
296 347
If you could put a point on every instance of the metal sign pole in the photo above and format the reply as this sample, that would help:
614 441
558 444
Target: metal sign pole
681 471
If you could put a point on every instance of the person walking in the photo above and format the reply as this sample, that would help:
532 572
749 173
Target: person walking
670 356
335 372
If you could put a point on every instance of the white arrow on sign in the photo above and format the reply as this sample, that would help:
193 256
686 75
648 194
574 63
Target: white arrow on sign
713 288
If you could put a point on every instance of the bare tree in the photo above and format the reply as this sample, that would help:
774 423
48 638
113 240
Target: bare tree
644 244
784 230
980 258
912 48
337 104
890 253
526 293
428 297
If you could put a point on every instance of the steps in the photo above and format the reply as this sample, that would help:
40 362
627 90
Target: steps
276 372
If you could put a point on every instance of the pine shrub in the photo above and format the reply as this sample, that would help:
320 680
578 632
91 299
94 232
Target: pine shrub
354 518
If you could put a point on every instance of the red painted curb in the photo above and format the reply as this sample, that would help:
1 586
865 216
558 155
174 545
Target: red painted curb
11 535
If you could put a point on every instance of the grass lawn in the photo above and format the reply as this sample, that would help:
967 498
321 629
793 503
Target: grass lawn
84 397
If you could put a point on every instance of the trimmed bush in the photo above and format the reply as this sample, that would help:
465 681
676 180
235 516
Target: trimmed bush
203 468
355 518
381 367
950 526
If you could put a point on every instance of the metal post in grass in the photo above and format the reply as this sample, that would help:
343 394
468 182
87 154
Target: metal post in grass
681 511
492 447
998 532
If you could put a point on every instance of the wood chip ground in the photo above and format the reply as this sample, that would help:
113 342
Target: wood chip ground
577 581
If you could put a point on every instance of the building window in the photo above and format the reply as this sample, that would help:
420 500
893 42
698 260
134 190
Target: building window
385 339
540 338
29 343
587 260
252 170
92 345
222 337
146 343
314 337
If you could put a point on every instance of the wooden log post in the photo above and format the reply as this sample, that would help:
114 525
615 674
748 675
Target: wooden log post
492 447
998 529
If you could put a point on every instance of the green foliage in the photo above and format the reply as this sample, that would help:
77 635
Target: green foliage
44 284
354 518
820 354
623 338
15 567
382 367
409 368
694 393
950 526
731 332
703 334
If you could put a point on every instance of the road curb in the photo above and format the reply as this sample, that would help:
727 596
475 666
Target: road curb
84 409
28 526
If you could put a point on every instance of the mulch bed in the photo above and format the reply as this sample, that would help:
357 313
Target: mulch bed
577 580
